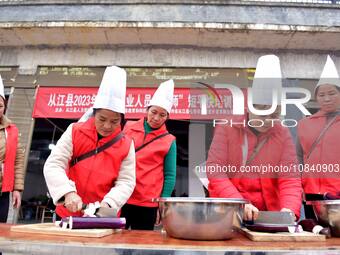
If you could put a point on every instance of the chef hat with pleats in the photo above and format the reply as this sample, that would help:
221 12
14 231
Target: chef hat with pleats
329 74
2 90
112 90
267 78
163 97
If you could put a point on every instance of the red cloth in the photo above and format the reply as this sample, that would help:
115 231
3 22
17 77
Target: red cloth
94 176
325 154
9 163
149 162
270 192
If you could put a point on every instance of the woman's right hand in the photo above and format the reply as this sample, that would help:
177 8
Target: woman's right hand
73 202
250 212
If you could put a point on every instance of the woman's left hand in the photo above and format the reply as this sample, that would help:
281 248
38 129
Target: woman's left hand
104 204
16 198
288 210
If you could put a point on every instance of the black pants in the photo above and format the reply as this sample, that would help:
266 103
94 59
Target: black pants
139 217
309 212
4 206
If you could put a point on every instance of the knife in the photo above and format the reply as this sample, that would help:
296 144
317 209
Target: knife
273 221
95 209
273 217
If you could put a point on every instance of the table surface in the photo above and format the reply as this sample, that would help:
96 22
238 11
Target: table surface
148 242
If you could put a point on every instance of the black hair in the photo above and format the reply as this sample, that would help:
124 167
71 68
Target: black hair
122 120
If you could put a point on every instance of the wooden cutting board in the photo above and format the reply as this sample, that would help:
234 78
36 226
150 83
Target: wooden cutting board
51 229
282 236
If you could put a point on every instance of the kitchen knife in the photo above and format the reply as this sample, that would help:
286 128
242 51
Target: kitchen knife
273 221
95 210
105 212
273 217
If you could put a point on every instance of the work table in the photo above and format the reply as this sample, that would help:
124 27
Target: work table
148 242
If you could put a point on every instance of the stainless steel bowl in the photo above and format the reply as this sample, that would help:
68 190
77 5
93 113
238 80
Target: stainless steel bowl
200 218
328 213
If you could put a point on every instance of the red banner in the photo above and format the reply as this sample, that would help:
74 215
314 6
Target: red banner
72 102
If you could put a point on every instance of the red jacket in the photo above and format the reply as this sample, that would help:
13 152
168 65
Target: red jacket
325 154
9 163
270 192
149 162
96 175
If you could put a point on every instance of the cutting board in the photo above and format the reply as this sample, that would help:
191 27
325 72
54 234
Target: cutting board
51 229
282 236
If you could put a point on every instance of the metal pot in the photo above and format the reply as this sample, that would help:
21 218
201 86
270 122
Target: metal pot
328 213
200 218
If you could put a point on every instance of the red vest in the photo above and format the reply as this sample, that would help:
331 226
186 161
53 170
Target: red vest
267 192
325 153
96 175
9 163
149 162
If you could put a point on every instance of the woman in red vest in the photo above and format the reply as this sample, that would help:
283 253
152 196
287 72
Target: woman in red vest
12 174
155 160
93 161
319 138
246 149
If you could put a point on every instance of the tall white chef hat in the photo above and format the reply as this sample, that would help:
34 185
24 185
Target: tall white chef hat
112 90
329 74
163 97
267 78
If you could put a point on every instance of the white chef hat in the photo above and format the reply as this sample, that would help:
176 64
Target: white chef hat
163 97
2 90
112 90
329 74
267 78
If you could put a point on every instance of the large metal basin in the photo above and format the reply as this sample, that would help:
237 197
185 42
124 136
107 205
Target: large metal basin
200 218
328 213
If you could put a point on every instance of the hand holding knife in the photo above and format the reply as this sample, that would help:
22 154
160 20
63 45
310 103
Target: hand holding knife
73 202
